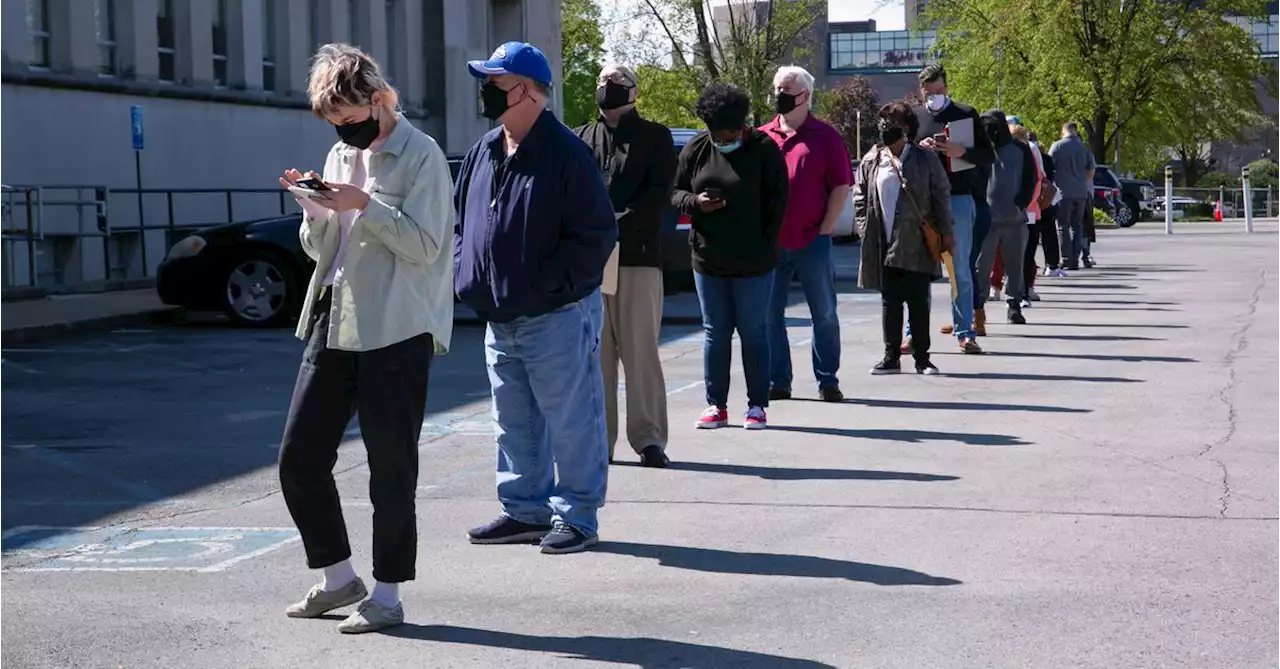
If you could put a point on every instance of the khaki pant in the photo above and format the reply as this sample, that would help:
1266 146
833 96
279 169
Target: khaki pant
632 318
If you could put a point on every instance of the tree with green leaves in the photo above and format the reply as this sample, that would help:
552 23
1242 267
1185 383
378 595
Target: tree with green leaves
1133 70
665 97
744 43
851 109
581 51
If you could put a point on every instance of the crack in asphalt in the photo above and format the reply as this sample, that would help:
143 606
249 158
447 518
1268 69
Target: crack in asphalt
1225 499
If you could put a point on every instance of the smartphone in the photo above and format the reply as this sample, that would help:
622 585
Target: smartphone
313 184
940 137
714 193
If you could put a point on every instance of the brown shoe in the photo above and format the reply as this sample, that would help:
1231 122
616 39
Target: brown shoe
946 329
980 322
906 346
970 347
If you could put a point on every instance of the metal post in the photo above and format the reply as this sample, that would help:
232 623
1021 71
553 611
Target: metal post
31 239
142 226
857 157
1222 198
1168 200
1248 199
1268 201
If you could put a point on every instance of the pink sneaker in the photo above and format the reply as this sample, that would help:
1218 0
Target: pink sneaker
713 418
755 419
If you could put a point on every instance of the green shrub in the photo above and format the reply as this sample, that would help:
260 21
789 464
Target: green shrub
1102 219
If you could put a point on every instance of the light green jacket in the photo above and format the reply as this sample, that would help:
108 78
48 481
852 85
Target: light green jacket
397 275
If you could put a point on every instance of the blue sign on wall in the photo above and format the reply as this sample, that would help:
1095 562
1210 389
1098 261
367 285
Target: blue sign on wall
135 126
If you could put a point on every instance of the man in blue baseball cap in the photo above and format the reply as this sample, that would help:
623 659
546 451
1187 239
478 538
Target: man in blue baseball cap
534 230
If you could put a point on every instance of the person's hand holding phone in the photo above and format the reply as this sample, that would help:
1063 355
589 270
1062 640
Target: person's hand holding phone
710 200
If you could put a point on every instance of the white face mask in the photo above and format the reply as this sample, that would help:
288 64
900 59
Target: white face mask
936 103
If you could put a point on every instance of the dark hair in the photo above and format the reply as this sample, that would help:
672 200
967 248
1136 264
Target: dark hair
1032 136
1071 127
900 113
932 73
723 107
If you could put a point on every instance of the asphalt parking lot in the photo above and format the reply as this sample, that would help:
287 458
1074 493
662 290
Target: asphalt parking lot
1098 490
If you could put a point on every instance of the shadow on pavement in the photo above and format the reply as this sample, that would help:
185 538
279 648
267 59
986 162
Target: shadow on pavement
1175 326
963 406
1095 286
1101 357
910 436
1007 376
1071 337
630 651
1090 302
788 474
1085 306
772 564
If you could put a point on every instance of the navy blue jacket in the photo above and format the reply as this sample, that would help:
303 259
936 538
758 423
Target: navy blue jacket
533 230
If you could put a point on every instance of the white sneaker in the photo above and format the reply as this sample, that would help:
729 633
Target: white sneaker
1026 304
995 294
1060 273
1048 272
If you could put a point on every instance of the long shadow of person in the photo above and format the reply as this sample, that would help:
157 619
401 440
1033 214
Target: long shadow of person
772 564
641 652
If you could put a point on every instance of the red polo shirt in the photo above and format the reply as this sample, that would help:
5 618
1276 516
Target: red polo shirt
817 163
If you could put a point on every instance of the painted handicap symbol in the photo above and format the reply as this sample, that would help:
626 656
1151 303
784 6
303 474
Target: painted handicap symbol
200 549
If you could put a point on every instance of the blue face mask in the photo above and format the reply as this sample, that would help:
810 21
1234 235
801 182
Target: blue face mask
729 148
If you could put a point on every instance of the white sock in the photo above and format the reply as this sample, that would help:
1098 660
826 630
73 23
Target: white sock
338 576
386 594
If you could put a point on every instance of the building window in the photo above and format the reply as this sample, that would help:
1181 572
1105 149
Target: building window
391 42
315 27
38 29
104 27
268 45
164 39
220 43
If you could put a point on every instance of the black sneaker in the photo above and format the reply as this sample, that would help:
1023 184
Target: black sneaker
507 530
926 368
652 456
564 538
887 366
832 394
1088 262
779 394
1015 316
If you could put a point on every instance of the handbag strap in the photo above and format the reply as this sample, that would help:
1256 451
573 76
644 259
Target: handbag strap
893 162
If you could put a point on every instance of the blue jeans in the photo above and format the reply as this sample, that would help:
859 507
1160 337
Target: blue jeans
548 410
964 211
730 304
812 265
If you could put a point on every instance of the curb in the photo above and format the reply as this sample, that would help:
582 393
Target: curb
47 331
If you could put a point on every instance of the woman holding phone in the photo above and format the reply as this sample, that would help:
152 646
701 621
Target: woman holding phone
732 183
379 224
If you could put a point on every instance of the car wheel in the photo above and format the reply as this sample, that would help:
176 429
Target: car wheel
259 291
1124 215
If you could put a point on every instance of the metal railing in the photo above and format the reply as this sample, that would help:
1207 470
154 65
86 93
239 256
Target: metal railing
40 218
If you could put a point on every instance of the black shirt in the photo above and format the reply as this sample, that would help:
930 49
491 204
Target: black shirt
741 238
638 161
964 182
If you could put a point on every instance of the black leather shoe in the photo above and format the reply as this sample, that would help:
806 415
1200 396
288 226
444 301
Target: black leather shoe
652 456
779 394
832 394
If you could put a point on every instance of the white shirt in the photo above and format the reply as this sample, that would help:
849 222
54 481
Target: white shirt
889 187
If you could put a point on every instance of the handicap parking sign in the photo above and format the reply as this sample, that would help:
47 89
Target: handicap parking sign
200 549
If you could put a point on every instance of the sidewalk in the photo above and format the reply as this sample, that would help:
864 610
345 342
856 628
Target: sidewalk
35 320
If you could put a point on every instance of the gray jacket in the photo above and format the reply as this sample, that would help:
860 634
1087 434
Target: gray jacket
1012 183
1071 161
927 182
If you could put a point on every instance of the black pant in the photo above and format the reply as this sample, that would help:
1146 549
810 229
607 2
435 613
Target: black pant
911 288
1029 260
388 388
1048 226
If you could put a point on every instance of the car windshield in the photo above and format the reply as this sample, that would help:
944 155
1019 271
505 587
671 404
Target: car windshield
1105 178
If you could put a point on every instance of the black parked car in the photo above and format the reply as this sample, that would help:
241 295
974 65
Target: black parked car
1109 195
256 271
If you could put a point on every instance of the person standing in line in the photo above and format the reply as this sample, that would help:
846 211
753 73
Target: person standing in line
378 308
638 160
732 182
1009 193
820 174
938 113
900 184
1029 270
1049 217
534 231
1073 167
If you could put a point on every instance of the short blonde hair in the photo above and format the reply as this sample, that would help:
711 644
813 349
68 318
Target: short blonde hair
795 73
344 76
1020 132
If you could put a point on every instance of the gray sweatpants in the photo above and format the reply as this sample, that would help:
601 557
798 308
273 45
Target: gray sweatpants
1010 237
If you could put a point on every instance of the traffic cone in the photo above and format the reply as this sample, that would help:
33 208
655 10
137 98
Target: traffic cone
1217 211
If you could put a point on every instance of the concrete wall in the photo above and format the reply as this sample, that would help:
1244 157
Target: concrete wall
67 125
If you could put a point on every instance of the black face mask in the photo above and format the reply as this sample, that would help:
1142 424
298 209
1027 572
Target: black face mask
612 95
889 134
359 134
493 101
785 102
